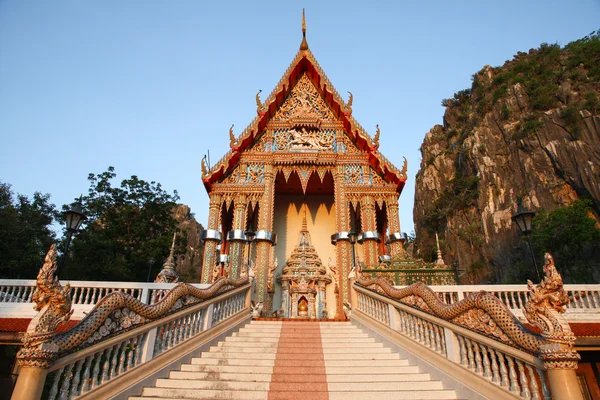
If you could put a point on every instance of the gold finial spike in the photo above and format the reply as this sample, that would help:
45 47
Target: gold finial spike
304 226
304 44
440 259
170 263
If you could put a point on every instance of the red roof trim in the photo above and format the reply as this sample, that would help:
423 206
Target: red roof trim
304 64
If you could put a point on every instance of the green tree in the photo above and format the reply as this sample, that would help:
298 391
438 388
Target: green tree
572 236
129 229
25 232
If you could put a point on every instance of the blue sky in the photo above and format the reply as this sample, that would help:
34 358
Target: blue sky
150 86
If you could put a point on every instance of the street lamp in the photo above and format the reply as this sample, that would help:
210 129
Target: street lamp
249 238
352 236
524 220
74 217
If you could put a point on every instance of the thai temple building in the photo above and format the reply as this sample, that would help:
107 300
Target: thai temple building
303 226
304 167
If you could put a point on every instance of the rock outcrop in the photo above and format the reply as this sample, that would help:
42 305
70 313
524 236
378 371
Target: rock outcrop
527 131
188 257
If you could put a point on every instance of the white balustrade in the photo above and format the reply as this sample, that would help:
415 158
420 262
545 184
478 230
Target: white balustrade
88 368
584 305
507 367
16 296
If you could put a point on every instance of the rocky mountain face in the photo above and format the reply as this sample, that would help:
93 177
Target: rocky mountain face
189 250
526 131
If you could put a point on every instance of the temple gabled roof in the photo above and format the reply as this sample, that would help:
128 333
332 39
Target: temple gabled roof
305 63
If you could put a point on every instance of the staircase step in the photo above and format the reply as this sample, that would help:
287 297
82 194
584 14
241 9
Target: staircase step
221 376
169 393
232 369
211 385
275 360
396 395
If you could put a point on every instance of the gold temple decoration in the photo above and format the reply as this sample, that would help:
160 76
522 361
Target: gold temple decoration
204 170
349 104
53 301
168 273
485 313
259 105
376 139
304 279
232 140
304 44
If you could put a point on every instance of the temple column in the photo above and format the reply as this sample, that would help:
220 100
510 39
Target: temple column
369 236
211 237
393 217
265 238
236 237
343 247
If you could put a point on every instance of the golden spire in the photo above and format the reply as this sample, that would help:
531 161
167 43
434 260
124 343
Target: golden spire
304 44
304 226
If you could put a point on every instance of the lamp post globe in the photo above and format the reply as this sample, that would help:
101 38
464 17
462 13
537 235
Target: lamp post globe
74 218
524 221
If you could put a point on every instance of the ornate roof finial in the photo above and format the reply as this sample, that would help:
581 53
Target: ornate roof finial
376 139
304 226
168 273
304 44
259 104
440 260
232 141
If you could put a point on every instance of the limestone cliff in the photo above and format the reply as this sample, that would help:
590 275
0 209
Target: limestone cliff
528 130
188 259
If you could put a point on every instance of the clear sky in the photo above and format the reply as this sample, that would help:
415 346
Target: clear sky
150 86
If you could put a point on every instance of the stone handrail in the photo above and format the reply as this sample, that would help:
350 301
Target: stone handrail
92 367
16 295
408 276
583 306
118 335
480 334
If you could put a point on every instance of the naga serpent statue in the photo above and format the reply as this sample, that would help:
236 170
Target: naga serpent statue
42 345
485 313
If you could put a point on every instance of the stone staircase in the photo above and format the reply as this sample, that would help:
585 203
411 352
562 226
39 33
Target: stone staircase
298 360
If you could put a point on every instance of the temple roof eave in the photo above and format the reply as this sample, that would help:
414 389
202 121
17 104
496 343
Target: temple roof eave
305 62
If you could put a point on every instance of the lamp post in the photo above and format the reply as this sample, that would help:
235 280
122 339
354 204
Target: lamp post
524 220
353 236
74 217
249 238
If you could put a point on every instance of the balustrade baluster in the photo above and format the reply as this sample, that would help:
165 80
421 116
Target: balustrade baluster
463 351
106 365
85 379
495 368
513 303
544 382
438 339
478 363
535 388
505 381
76 379
470 355
139 344
525 390
430 339
401 321
66 383
54 389
30 296
115 360
179 328
130 351
512 374
96 373
487 372
122 357
20 294
593 296
157 341
170 333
